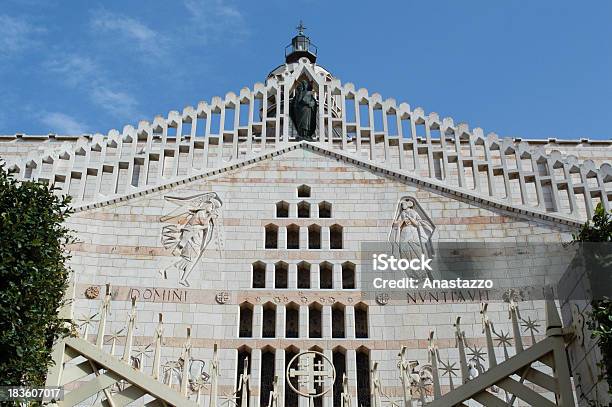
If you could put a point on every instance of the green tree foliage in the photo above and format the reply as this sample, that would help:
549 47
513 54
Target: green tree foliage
33 278
599 229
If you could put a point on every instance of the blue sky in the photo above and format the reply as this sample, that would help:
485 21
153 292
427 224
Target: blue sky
526 69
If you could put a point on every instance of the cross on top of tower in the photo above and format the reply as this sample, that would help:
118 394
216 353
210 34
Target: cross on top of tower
300 28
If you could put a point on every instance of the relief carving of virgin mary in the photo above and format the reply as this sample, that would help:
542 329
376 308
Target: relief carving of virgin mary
411 230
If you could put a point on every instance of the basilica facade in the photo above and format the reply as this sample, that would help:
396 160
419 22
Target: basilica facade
241 221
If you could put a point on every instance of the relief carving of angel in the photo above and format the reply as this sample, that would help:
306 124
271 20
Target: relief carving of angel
197 222
411 230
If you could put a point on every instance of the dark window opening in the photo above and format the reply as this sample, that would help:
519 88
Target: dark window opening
326 276
259 275
246 320
271 236
282 209
303 191
293 237
348 275
361 321
335 237
325 210
314 237
292 321
303 275
280 275
269 321
314 321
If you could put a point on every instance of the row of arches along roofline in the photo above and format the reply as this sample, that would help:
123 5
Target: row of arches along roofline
455 146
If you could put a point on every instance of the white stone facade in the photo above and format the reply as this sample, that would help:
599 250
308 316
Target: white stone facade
474 188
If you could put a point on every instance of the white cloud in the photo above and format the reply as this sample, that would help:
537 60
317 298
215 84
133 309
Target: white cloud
118 103
62 123
75 69
131 29
16 35
82 72
216 19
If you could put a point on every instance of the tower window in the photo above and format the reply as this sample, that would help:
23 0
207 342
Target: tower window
303 275
314 320
282 209
293 237
269 321
325 210
280 274
326 275
246 320
303 209
303 191
314 237
271 236
335 237
259 275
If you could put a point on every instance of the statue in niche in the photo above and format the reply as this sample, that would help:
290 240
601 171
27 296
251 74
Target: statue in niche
197 222
411 231
303 111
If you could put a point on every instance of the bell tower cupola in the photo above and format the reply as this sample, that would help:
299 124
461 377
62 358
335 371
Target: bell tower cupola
300 47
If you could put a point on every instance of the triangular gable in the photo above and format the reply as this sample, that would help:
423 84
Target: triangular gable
409 142
376 169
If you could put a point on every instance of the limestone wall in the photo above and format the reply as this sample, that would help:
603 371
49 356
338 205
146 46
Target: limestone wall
120 243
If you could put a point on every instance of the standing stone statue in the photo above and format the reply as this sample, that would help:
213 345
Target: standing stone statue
303 111
412 230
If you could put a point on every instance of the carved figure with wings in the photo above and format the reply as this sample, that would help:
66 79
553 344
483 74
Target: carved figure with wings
196 218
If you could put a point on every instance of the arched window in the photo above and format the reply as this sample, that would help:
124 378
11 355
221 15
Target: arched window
292 320
314 237
325 209
319 388
259 274
303 209
282 209
361 320
281 270
338 330
244 358
271 236
314 320
291 397
268 326
303 275
293 237
267 375
326 275
335 237
303 191
246 320
339 360
348 275
363 377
